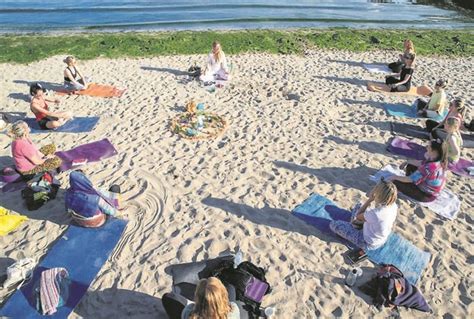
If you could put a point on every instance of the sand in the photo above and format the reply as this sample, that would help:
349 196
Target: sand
298 124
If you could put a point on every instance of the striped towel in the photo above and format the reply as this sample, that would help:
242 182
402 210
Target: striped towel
50 294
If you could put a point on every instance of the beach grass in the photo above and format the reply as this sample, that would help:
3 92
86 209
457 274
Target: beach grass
29 48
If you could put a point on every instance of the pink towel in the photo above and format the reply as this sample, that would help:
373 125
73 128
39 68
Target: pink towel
49 289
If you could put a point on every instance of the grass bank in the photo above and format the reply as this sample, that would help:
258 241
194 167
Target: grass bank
29 48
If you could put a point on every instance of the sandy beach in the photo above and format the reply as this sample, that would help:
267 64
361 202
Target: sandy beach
297 125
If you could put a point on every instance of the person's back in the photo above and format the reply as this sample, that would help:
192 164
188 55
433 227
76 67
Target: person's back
22 151
438 102
378 224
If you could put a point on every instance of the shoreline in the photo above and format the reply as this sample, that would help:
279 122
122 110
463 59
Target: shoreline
26 48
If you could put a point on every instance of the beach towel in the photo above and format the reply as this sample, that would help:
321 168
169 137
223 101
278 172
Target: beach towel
407 111
319 211
414 90
9 222
400 146
87 153
411 130
97 90
83 252
75 125
447 204
53 290
377 68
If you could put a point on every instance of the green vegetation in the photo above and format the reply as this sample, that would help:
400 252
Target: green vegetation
28 48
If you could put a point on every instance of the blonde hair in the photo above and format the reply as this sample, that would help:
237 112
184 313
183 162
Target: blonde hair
453 122
18 130
68 60
212 300
385 193
219 54
459 105
409 46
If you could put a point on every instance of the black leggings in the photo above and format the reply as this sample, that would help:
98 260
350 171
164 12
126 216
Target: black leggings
410 189
398 88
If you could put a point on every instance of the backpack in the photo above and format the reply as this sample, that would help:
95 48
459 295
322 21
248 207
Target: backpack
390 288
39 190
250 285
194 71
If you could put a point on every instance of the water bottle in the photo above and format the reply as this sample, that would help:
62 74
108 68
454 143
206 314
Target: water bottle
269 312
200 106
238 258
352 275
200 122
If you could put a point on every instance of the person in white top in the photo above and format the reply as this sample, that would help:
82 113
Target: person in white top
369 228
216 68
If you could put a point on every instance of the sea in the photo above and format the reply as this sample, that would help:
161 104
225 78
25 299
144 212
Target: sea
64 16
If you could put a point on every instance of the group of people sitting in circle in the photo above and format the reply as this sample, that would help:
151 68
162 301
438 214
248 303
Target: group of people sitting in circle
371 223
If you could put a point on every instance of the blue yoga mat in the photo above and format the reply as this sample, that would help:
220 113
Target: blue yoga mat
76 125
82 251
409 111
319 211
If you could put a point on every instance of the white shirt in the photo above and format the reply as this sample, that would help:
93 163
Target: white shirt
378 224
214 66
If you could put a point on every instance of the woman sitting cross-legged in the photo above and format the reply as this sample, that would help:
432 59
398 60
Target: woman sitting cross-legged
216 68
211 301
28 159
87 205
453 140
370 227
437 103
45 118
403 83
73 78
424 180
457 110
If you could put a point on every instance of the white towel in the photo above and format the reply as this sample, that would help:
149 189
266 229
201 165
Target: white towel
447 204
377 68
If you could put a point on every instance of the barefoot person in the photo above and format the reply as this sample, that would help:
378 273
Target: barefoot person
44 117
211 301
28 159
216 68
73 78
437 103
424 180
409 48
401 82
371 223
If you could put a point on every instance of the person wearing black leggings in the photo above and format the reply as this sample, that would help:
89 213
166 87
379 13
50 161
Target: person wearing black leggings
402 84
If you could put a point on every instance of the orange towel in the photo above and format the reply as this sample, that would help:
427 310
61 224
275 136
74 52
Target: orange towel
97 90
414 90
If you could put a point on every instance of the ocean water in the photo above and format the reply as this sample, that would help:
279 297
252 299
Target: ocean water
139 15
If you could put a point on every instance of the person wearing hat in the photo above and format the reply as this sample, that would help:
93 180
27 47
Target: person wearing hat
46 119
436 106
73 78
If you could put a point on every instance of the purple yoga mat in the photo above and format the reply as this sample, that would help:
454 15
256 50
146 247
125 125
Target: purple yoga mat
92 152
413 150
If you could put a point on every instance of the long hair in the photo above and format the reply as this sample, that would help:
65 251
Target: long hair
442 149
212 300
459 105
385 193
409 46
217 55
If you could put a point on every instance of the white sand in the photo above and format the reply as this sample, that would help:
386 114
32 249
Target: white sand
187 201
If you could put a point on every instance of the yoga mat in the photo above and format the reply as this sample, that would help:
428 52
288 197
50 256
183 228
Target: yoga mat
419 132
400 146
408 111
319 211
83 252
383 88
447 204
92 152
75 125
377 68
97 90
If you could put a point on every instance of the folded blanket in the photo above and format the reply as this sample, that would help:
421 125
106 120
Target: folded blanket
416 151
446 204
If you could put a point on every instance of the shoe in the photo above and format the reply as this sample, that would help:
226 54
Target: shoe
19 272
